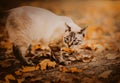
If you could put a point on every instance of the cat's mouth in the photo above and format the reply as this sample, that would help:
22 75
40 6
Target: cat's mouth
70 44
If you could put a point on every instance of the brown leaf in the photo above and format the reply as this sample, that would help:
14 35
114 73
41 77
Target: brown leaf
75 70
29 68
9 77
46 63
20 80
105 74
63 69
18 72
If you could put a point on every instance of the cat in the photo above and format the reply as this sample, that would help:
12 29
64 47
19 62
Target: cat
27 25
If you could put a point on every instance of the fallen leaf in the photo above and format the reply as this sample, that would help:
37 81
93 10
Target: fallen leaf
20 80
36 47
105 74
63 69
29 68
9 77
87 58
43 64
75 70
18 72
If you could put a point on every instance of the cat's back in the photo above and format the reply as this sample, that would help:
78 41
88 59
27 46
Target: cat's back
31 23
31 10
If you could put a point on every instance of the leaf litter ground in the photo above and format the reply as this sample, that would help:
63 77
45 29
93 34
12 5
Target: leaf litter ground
102 41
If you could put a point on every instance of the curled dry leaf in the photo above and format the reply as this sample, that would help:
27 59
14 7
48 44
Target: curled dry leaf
85 55
47 63
35 47
9 77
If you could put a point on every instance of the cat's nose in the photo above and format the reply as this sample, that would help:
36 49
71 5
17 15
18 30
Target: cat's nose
70 44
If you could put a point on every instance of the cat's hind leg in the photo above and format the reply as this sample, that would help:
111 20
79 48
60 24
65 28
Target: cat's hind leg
20 54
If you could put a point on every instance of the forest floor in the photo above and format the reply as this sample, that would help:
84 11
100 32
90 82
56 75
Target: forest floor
102 40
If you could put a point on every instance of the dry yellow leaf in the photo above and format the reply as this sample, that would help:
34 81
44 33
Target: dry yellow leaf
20 80
67 50
18 72
34 47
7 44
9 77
29 68
46 63
63 69
73 70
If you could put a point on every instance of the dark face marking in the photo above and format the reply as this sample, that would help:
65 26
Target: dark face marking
73 39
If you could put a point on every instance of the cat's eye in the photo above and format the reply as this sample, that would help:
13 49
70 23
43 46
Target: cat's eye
67 38
79 32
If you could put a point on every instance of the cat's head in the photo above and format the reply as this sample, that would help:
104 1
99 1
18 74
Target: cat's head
73 38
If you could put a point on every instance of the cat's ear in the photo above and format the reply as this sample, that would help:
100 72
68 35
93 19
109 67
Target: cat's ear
68 28
82 31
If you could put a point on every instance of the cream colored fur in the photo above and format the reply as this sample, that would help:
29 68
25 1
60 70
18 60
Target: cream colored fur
31 25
